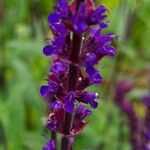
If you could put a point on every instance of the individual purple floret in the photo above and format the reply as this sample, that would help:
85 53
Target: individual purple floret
56 119
50 145
77 45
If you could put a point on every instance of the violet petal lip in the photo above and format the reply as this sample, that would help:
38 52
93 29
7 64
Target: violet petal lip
93 74
44 90
50 145
53 86
54 18
60 29
48 50
69 102
80 23
58 68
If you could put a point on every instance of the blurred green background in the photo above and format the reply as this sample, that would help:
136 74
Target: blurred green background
23 68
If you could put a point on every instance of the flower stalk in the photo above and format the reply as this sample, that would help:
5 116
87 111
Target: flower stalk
73 77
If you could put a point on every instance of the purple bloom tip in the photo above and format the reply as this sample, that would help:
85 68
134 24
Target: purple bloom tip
69 102
53 86
50 145
53 18
48 50
82 112
93 74
90 59
90 98
44 90
52 124
80 24
58 68
69 107
98 15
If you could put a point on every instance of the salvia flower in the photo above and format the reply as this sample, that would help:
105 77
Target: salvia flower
55 120
77 45
50 145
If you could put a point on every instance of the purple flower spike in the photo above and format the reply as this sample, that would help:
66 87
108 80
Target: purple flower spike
50 145
69 102
77 45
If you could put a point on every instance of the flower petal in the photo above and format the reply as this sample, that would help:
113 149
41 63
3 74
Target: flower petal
97 78
44 90
82 112
59 113
60 29
69 102
48 50
98 15
54 18
52 124
90 97
59 41
80 24
51 145
90 59
93 104
58 68
53 87
94 76
63 7
69 106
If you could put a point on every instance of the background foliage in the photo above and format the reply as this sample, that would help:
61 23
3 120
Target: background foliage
23 32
